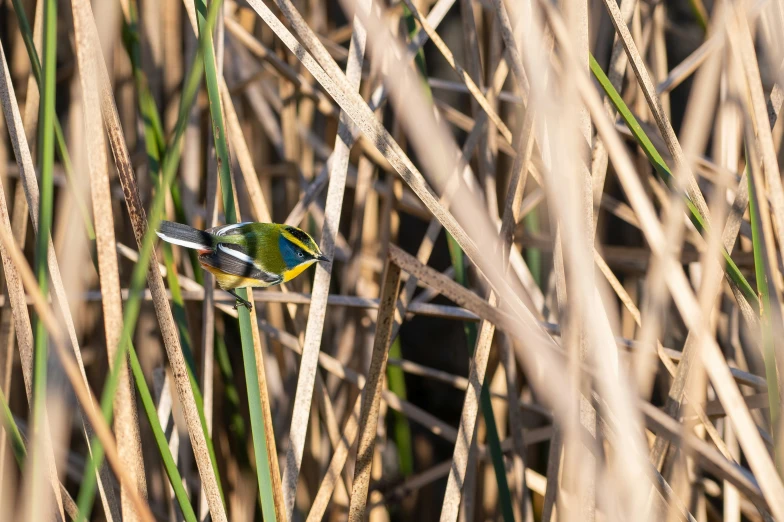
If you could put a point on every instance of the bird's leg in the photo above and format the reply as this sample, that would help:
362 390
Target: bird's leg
240 301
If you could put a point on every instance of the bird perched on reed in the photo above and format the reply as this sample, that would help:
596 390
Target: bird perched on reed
247 255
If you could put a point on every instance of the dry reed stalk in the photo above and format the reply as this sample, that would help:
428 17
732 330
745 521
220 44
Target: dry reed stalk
318 308
332 365
742 44
378 97
587 91
72 371
655 419
126 421
6 335
699 110
654 104
261 213
33 97
371 393
709 287
473 88
484 340
155 282
305 57
557 443
361 114
486 155
729 238
336 464
287 105
702 414
521 493
712 357
30 185
24 336
590 318
208 313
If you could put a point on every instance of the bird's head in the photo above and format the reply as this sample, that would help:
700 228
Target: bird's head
297 248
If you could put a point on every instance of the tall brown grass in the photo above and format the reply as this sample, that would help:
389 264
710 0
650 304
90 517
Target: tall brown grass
556 287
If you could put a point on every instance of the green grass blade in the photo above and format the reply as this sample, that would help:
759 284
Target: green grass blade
155 147
263 470
768 349
231 395
664 171
84 501
401 428
700 13
149 113
533 256
46 119
160 439
396 380
156 150
87 491
15 436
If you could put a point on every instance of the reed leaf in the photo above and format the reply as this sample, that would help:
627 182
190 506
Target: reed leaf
46 119
732 270
766 325
160 439
260 442
15 437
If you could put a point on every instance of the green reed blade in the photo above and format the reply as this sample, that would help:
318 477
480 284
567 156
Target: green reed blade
46 117
263 468
663 170
766 328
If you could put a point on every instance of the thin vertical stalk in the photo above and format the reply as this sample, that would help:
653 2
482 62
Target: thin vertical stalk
126 422
318 308
371 393
762 272
145 235
62 149
46 165
160 438
32 195
260 443
493 439
155 147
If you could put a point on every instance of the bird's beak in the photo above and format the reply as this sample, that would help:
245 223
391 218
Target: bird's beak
322 257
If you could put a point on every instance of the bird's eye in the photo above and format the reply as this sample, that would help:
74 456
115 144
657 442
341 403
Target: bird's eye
300 253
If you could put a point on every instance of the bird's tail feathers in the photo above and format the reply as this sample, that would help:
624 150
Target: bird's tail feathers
185 236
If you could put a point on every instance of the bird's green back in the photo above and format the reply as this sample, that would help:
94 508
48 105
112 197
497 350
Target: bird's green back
260 241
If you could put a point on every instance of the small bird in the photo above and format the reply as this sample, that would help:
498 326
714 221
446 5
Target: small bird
247 255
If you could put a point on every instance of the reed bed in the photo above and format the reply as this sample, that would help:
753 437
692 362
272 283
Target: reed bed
555 279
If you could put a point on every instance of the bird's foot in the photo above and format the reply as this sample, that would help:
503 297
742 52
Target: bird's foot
240 301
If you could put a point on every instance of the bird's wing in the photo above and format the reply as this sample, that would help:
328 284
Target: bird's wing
226 230
232 260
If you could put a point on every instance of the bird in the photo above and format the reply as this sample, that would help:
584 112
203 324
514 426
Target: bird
248 254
